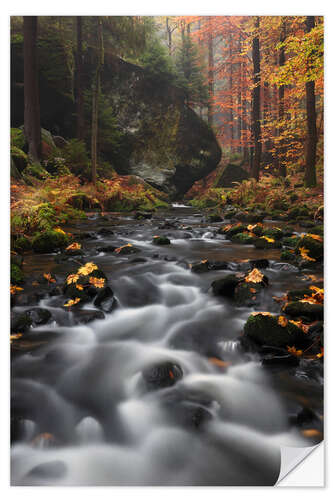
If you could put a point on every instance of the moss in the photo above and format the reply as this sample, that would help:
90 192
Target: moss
49 241
265 330
298 212
274 232
239 228
21 244
290 241
246 293
263 244
288 256
161 240
318 230
294 295
19 157
34 171
17 138
16 274
243 238
225 287
300 309
315 248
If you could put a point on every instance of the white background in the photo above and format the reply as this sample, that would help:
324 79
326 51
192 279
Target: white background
310 472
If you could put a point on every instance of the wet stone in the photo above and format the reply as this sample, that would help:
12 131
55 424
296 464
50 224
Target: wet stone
162 375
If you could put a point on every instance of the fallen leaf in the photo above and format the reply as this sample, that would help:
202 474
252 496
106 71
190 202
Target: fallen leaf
255 276
14 289
97 282
292 350
118 250
311 433
88 268
72 302
270 240
219 362
282 321
304 254
262 314
74 246
72 278
15 336
49 278
315 237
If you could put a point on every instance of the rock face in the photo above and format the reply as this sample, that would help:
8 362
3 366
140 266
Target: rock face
230 174
162 139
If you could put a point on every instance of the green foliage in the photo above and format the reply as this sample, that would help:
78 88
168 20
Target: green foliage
190 73
17 138
16 274
213 197
158 63
21 244
76 156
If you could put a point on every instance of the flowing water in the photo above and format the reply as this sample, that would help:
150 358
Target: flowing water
87 415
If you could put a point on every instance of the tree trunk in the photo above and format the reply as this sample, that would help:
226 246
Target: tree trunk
281 149
311 143
79 90
96 90
256 129
32 130
210 74
169 34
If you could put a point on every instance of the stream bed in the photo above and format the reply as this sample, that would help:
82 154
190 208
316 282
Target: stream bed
159 391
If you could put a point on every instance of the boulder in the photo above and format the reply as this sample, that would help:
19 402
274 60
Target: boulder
264 329
243 239
105 300
49 241
161 240
304 309
161 375
231 174
225 287
263 243
314 247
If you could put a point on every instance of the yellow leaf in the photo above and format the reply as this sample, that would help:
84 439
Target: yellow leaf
14 289
292 350
304 254
72 278
261 313
58 230
15 336
79 287
270 240
88 268
97 282
49 278
72 302
283 321
118 250
74 246
315 237
255 276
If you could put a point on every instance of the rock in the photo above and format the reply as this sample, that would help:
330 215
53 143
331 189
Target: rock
250 217
87 235
21 244
287 255
49 470
49 241
85 283
265 329
215 218
243 239
306 223
161 240
284 360
294 295
218 266
126 250
106 249
290 241
105 300
225 287
59 141
138 260
314 247
238 228
304 309
105 231
246 294
231 174
161 375
259 263
164 141
85 316
263 244
143 215
273 232
39 316
200 267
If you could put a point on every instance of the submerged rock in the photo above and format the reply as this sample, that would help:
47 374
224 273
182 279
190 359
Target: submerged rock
105 300
299 309
161 240
225 287
162 375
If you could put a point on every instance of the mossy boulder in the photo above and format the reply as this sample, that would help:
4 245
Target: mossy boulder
274 232
298 212
294 295
288 256
49 241
17 138
33 172
19 157
239 228
126 250
314 247
225 287
265 329
246 294
291 241
243 238
250 216
264 244
16 274
85 283
161 240
304 309
21 244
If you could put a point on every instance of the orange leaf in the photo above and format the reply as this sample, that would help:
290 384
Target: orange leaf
72 302
283 321
218 362
49 278
255 276
292 350
97 282
74 246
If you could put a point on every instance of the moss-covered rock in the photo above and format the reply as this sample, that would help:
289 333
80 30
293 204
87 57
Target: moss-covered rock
243 238
17 138
264 329
34 171
238 228
126 249
225 287
49 241
274 232
263 243
19 157
291 241
298 212
161 240
288 256
16 274
314 247
304 309
21 244
294 295
246 294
